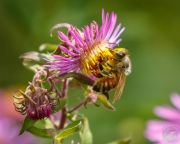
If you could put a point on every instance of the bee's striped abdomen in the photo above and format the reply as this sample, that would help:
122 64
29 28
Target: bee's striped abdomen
105 84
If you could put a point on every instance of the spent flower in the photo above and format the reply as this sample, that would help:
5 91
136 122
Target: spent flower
36 101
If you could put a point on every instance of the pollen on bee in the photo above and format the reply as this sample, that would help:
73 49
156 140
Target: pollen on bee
90 58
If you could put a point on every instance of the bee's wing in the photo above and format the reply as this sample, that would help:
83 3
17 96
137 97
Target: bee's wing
120 86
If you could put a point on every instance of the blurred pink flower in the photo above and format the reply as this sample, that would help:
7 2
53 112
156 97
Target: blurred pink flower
9 130
167 130
10 122
7 107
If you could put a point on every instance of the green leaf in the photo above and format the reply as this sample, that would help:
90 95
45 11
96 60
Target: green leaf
40 132
26 124
72 116
62 103
85 133
34 60
35 56
122 141
85 87
48 47
41 123
105 102
69 130
32 65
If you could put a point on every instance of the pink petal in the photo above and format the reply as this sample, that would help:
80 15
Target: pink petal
175 99
68 51
120 32
92 32
105 30
65 38
111 25
103 19
167 112
87 35
162 132
97 30
115 32
77 37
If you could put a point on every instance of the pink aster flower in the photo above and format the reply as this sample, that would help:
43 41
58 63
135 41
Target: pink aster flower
81 49
167 130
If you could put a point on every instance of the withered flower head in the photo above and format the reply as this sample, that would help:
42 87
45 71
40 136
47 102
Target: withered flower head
36 101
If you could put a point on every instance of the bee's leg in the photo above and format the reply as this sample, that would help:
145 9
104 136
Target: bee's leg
106 95
119 53
103 86
104 72
99 85
104 59
107 62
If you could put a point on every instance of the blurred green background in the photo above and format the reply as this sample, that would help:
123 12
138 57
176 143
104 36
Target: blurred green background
152 36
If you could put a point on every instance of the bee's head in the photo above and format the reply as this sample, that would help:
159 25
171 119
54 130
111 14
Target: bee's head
124 65
120 53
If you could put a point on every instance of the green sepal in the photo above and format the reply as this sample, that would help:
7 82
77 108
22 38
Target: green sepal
85 133
122 141
26 124
48 47
69 130
40 132
105 102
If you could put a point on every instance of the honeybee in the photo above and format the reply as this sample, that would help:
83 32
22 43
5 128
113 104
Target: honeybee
111 71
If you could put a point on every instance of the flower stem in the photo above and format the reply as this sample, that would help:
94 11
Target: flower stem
63 111
53 123
64 88
78 106
62 119
55 88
